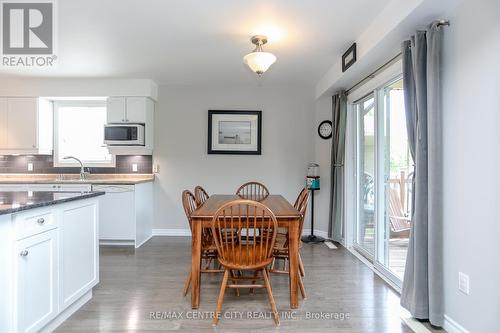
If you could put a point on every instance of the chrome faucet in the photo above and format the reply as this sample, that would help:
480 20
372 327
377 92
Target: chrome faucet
83 173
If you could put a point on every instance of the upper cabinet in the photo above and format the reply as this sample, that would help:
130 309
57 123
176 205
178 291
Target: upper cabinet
137 109
25 126
116 110
129 109
132 110
22 123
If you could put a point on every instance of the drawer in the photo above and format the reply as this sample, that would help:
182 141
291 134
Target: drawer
31 224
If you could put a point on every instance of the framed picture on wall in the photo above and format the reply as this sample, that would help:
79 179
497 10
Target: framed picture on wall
234 132
349 57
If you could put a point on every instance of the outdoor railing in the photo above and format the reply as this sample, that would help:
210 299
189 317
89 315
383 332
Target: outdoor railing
404 183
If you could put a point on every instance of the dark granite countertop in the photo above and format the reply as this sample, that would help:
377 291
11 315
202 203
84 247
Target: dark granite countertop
13 202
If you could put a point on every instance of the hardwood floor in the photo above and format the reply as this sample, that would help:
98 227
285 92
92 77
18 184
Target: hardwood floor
133 284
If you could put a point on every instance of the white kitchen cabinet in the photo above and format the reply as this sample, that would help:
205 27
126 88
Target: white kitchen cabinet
79 251
74 187
137 108
61 187
13 187
117 213
22 123
125 214
128 109
116 110
47 187
48 269
37 281
132 110
26 126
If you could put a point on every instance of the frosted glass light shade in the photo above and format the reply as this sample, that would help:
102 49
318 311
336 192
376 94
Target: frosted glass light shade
259 61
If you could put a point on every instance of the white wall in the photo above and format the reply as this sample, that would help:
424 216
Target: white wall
181 144
322 156
471 160
471 135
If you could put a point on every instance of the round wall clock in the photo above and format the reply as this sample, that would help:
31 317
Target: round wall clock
325 129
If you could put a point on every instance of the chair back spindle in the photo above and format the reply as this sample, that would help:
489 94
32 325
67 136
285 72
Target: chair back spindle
189 204
201 195
301 205
251 249
253 191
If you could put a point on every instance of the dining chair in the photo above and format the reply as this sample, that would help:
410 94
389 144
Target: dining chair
201 195
251 251
253 191
208 248
281 249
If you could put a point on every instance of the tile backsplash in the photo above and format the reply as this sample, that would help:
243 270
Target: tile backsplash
45 164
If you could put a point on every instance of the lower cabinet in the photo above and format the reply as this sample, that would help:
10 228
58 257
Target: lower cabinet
47 266
79 252
125 214
37 281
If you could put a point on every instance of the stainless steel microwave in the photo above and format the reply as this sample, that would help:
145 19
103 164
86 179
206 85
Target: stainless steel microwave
124 134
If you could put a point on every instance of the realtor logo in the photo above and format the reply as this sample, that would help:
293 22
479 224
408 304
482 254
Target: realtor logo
28 29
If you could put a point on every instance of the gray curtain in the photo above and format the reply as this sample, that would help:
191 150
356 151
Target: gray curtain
422 292
339 115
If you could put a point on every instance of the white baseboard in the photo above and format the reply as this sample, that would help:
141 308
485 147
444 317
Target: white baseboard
171 232
144 241
116 242
451 326
187 232
414 324
56 322
317 232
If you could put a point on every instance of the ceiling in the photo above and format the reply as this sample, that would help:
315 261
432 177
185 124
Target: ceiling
202 42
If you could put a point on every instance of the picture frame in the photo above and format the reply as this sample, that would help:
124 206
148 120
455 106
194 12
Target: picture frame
349 57
232 132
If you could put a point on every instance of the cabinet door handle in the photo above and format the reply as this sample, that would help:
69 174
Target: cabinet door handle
41 220
24 253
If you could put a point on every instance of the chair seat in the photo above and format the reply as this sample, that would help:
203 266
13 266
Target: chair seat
209 247
281 244
208 243
243 260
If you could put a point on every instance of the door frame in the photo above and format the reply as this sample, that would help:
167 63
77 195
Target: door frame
358 247
374 86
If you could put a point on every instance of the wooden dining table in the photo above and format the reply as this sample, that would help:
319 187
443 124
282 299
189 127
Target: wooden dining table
287 217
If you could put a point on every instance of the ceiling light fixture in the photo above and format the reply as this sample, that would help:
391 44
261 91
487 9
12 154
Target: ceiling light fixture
258 60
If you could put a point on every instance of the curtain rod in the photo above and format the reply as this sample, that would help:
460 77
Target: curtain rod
387 64
374 73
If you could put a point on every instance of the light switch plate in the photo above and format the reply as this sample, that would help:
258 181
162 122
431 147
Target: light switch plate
156 168
134 167
30 166
463 283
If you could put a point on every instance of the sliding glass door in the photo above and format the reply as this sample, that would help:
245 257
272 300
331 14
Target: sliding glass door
365 226
398 171
384 173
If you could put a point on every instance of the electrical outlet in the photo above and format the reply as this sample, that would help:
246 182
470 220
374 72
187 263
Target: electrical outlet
156 168
134 167
463 283
30 166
